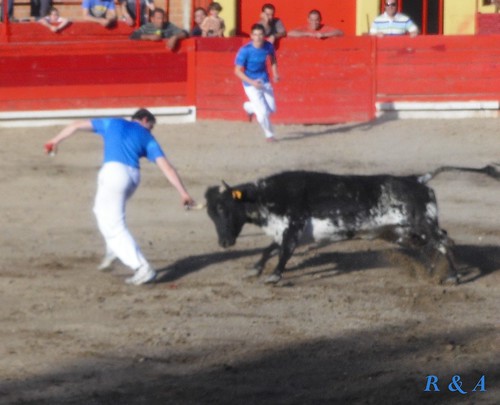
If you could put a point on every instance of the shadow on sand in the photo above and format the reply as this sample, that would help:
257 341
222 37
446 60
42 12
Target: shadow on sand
385 365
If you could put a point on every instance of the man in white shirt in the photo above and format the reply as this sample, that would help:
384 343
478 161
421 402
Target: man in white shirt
393 23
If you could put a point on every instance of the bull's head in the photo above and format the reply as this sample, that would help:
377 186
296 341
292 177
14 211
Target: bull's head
226 208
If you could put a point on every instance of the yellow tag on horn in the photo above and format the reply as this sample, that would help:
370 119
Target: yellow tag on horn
237 194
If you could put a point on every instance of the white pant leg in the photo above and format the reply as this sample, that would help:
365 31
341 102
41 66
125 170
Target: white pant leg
263 104
116 184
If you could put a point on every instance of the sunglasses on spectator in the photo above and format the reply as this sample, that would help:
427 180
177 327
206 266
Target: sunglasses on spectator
390 4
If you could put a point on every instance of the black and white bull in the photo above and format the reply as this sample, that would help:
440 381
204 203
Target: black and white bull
300 206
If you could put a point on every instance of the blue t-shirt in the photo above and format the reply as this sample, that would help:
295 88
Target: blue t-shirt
126 141
98 8
254 60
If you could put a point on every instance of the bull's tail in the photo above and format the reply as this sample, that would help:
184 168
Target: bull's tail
489 170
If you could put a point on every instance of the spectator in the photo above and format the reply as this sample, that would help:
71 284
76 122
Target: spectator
53 21
10 9
128 10
40 8
199 15
251 69
213 25
273 27
158 29
393 23
315 28
100 11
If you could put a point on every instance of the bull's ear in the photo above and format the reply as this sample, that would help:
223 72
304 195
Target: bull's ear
246 193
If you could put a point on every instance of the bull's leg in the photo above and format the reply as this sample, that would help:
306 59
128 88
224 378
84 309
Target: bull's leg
443 266
434 250
258 267
290 241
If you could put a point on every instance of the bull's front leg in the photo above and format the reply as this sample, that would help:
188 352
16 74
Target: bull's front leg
258 267
289 242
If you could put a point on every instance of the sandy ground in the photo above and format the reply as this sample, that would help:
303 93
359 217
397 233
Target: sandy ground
345 326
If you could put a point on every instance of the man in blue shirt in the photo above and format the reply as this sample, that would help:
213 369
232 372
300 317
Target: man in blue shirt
100 11
252 71
125 142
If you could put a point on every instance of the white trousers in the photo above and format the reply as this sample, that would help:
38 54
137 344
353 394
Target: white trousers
262 104
116 183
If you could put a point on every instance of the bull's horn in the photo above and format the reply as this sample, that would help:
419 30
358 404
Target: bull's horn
228 187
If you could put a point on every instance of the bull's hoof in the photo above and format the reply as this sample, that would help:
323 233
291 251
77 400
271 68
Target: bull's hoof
273 279
252 273
451 280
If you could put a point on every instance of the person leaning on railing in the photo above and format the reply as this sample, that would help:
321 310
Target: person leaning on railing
100 11
158 29
315 28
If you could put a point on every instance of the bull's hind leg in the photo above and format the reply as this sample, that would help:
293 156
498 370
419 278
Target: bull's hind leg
258 267
442 267
431 247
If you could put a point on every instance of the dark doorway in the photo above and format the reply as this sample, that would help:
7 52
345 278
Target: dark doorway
425 13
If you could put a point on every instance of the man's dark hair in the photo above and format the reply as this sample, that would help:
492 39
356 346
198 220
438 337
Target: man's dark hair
142 113
268 6
258 26
158 10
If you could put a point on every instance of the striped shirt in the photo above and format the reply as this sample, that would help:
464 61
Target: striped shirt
400 24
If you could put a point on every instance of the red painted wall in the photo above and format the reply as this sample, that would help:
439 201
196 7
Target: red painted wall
336 80
436 68
338 13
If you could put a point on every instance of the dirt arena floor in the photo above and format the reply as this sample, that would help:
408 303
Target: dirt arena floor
350 323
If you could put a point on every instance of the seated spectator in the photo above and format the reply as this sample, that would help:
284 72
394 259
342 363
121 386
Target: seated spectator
274 28
10 9
393 23
315 28
213 25
40 8
199 15
159 29
100 11
128 10
53 21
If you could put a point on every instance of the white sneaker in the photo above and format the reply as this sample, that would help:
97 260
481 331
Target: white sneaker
107 262
142 275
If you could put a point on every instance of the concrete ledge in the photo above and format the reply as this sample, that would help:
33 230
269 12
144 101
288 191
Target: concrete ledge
164 115
443 110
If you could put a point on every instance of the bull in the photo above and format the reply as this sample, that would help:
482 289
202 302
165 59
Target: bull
299 207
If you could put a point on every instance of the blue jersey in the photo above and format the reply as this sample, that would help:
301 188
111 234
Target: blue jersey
254 60
126 141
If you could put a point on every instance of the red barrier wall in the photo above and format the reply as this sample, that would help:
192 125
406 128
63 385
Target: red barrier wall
436 68
92 73
336 80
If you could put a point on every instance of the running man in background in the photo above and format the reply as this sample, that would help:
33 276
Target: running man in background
125 142
252 71
393 23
